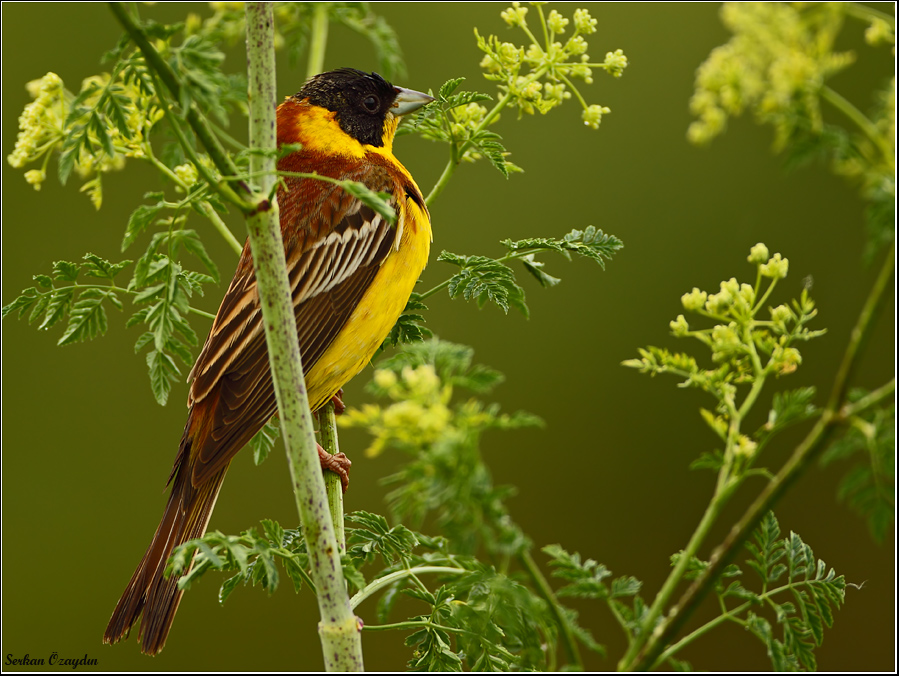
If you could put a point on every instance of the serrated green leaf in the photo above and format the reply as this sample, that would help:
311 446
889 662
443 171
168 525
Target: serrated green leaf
163 371
94 266
535 267
87 318
43 300
229 586
66 271
140 219
59 303
264 441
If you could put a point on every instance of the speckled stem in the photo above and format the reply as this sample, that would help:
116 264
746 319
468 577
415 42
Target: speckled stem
327 425
339 630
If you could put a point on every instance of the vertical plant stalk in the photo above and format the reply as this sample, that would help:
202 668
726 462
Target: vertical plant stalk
835 413
318 40
338 629
327 426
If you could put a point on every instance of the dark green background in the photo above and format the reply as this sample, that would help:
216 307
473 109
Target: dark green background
86 450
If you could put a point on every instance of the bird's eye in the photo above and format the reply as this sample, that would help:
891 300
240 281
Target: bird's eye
370 103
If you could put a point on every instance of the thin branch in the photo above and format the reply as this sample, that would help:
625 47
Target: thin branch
238 191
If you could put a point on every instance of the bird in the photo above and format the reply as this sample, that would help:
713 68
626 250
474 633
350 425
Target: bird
351 273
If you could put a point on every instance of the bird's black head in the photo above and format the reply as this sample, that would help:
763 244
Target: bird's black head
361 101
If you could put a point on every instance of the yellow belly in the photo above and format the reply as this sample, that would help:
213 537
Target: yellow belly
377 311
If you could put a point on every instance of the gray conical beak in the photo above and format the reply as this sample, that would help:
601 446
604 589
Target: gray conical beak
408 100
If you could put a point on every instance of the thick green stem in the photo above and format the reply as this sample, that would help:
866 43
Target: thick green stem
802 457
318 40
338 629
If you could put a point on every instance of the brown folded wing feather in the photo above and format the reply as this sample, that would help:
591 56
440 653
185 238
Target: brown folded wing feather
330 266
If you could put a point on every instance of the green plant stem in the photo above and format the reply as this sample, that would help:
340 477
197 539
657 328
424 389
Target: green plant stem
327 427
676 576
701 631
869 401
546 592
201 313
802 457
867 127
238 191
375 586
318 40
338 629
220 226
204 206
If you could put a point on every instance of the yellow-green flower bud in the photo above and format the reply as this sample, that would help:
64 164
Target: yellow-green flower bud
556 22
576 46
187 173
746 447
35 177
758 254
385 379
680 327
719 303
725 339
776 267
785 359
879 32
615 63
694 300
592 116
583 22
515 15
782 314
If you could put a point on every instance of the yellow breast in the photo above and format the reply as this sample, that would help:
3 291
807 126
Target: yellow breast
378 309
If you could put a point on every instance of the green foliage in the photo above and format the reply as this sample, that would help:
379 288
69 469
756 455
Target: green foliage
776 65
264 440
446 474
458 119
409 328
869 486
815 590
165 288
484 279
81 304
745 352
250 555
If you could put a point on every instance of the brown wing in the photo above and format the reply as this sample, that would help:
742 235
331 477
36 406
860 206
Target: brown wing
334 247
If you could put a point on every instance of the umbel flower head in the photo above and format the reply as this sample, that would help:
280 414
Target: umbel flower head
539 76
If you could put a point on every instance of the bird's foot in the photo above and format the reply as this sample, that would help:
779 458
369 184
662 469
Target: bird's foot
337 463
337 400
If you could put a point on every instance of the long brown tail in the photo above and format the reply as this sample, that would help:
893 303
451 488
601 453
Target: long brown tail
149 592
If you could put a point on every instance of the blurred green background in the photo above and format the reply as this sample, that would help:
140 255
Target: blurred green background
86 451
